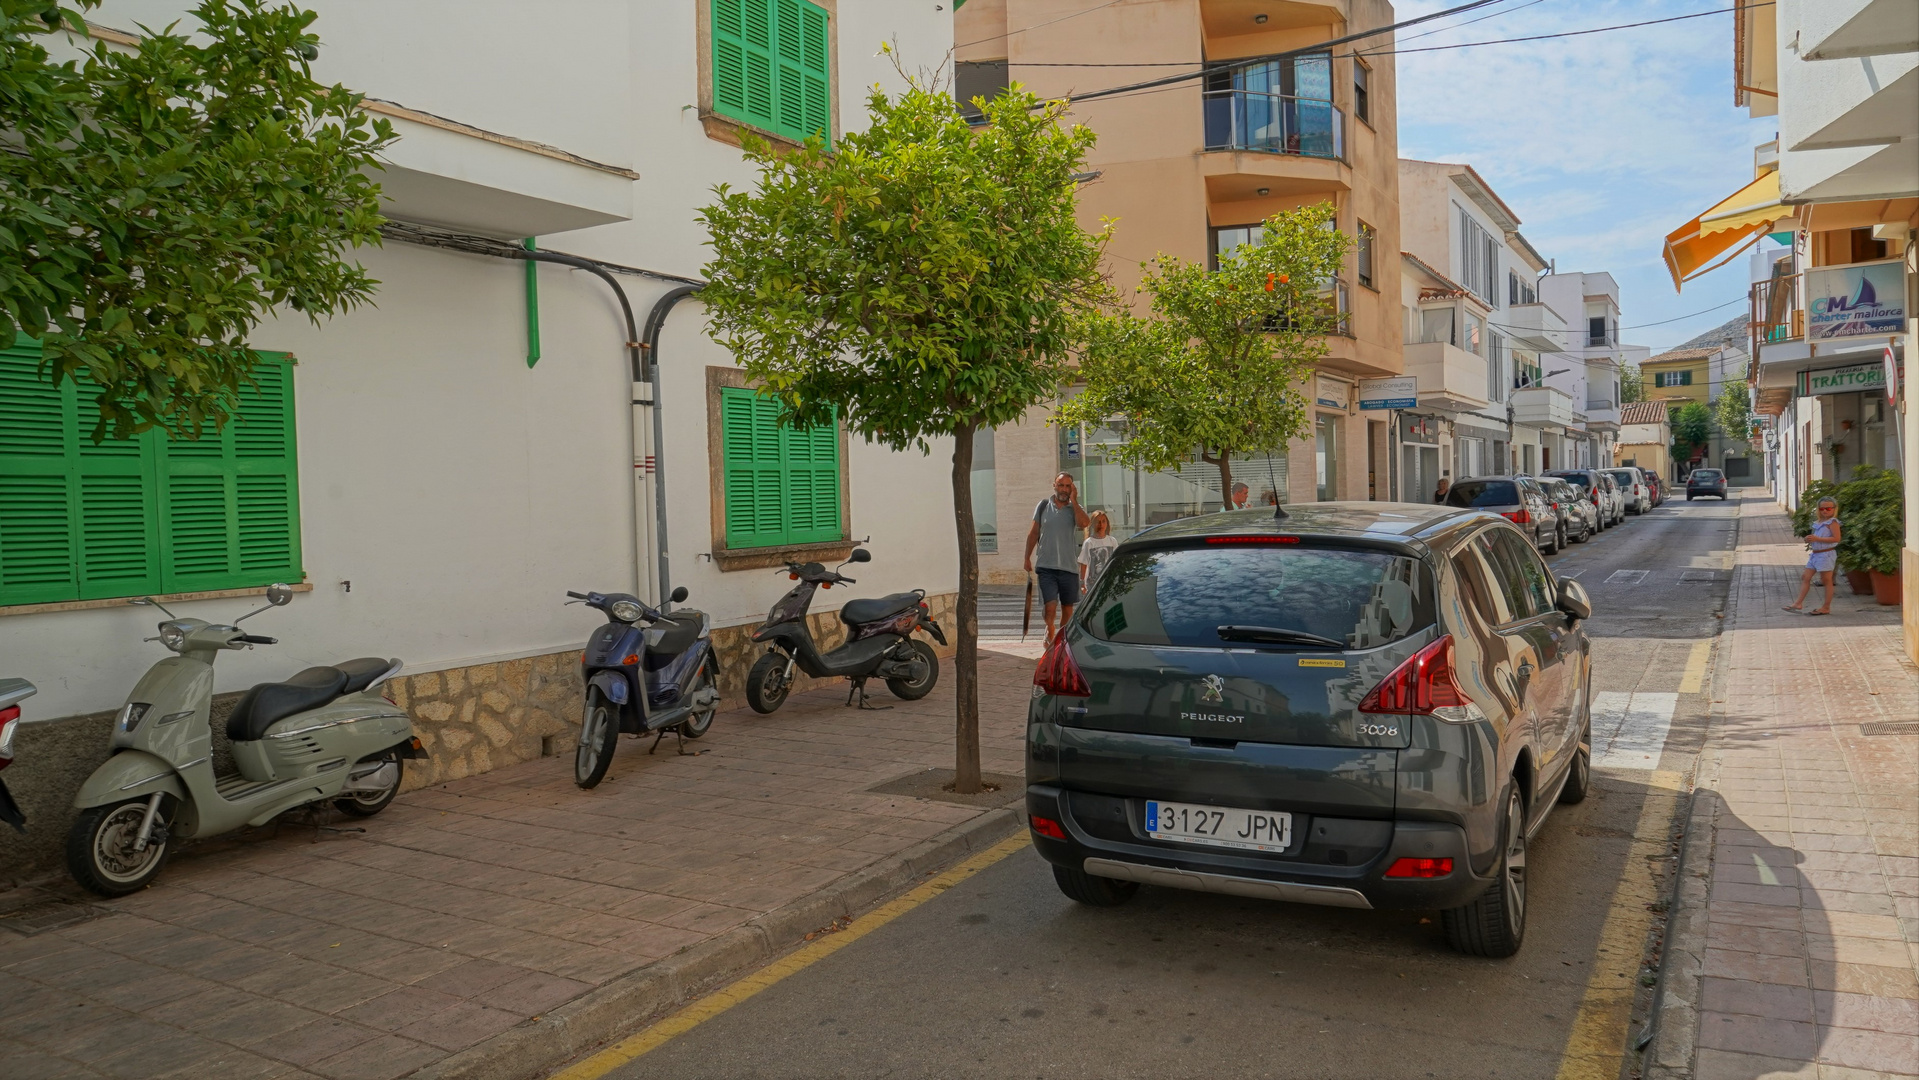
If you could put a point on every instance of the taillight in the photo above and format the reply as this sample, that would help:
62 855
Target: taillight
9 720
1419 868
1421 685
1519 517
1058 674
1047 827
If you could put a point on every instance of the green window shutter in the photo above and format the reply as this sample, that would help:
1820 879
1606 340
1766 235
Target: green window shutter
815 75
230 503
770 65
743 61
782 486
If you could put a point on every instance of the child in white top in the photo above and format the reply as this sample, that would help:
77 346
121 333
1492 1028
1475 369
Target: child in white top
1097 551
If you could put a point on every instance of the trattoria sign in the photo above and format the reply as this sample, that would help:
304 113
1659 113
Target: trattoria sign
1842 380
1856 301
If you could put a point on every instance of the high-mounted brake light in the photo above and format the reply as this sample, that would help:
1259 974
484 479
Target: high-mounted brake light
1058 674
1420 868
1421 685
1252 539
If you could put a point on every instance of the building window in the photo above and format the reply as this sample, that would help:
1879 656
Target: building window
782 484
977 79
1362 91
1672 378
128 517
1596 330
1478 259
770 66
985 493
1518 291
1367 236
1326 457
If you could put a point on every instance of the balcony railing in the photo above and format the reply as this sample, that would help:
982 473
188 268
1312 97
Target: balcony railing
1274 123
1600 405
1778 313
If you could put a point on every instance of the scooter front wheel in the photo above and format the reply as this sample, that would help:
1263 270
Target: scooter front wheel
766 684
100 853
599 736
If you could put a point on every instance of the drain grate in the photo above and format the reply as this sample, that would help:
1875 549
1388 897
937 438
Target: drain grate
30 919
1627 577
1890 727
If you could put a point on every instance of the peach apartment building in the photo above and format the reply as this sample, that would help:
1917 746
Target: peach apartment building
1191 169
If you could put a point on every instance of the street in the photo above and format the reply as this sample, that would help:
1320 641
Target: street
1001 975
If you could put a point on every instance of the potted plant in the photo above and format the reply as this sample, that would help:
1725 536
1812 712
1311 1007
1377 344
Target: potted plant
1853 564
1880 522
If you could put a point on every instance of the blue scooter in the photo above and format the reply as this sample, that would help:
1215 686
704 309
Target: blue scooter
646 671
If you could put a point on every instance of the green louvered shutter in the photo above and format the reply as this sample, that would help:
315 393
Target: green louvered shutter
230 505
782 486
770 65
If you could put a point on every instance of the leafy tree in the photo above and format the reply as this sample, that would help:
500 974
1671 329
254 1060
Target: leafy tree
1691 429
1732 411
1219 364
924 279
156 202
1632 385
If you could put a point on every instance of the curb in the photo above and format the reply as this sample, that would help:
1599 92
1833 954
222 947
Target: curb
545 1042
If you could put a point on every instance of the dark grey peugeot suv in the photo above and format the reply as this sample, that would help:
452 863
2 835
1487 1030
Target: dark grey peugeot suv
1366 705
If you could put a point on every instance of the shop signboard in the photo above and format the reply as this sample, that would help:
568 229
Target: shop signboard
1331 393
1843 380
1397 393
1855 301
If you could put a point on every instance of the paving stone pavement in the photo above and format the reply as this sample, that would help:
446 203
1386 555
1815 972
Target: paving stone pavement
469 907
1811 959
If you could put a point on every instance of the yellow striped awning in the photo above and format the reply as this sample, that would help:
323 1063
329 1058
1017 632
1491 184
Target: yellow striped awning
1729 227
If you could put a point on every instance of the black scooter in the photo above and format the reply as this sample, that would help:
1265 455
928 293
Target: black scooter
879 641
642 679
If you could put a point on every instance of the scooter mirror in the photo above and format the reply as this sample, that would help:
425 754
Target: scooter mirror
679 595
279 595
860 555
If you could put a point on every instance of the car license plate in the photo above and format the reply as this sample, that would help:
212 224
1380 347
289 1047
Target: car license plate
1219 826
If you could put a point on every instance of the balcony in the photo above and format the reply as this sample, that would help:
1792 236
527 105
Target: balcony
1274 124
1602 413
1778 314
1449 376
1536 327
1543 405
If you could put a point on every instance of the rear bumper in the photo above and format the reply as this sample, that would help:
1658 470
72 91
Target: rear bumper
1272 877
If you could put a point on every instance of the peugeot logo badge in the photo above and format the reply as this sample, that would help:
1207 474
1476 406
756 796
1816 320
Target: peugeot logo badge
1215 687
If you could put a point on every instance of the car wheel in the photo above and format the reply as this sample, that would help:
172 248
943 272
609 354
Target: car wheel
1495 924
1579 781
1559 539
1093 891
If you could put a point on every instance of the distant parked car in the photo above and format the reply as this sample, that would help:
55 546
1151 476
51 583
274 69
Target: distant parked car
1655 486
1359 705
1580 516
1632 487
1706 482
1518 499
1598 489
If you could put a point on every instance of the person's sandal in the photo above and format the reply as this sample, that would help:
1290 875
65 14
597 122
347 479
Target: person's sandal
1818 611
1792 607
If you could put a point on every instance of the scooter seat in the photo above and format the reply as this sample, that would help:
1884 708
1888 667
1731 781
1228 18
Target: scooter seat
857 612
270 702
361 673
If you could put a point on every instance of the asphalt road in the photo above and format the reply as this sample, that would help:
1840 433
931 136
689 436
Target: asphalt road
1001 976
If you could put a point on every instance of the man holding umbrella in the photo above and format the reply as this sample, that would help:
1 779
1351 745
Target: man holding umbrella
1056 524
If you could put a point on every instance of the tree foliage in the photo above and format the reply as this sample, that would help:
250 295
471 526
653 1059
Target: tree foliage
156 202
923 279
1632 385
1732 411
1217 366
1691 429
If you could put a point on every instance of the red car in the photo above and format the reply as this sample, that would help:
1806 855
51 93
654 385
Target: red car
1658 487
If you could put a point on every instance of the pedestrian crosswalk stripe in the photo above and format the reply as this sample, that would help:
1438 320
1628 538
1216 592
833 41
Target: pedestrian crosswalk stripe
1629 729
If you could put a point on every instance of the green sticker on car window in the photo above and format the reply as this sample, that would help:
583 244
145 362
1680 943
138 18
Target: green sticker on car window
1115 619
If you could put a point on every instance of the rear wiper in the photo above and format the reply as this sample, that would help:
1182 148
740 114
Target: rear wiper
1278 634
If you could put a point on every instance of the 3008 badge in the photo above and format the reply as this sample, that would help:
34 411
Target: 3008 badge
1388 730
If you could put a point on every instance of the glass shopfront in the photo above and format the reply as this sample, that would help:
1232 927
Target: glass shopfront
1135 499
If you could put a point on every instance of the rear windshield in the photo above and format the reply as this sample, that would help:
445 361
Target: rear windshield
1353 599
1483 493
1576 479
1706 474
1624 477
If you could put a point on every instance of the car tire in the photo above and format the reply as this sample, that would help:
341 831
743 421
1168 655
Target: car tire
1579 780
1093 891
1495 924
1559 538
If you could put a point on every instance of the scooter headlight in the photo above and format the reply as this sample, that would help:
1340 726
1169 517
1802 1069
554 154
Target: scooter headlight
626 611
173 635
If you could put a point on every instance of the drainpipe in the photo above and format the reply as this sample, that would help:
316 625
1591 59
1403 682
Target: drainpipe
647 356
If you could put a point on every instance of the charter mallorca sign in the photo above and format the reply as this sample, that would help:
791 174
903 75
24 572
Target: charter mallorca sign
1860 300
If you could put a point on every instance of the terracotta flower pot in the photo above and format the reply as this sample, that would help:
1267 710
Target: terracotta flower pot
1860 580
1887 588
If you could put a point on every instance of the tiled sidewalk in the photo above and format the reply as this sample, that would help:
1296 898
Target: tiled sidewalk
470 907
1812 921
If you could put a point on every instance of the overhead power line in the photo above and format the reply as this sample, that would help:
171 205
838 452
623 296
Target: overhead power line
1036 26
1562 34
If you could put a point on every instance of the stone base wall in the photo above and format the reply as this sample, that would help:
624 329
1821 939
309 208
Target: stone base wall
471 720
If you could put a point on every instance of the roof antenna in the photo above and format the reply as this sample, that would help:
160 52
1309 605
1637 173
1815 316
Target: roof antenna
1279 508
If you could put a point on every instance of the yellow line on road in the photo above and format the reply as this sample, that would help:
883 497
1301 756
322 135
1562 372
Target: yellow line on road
725 998
1597 1044
1695 677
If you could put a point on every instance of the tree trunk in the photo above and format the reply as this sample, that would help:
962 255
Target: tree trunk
966 780
1225 463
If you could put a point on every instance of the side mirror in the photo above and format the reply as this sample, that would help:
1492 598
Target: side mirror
679 595
279 595
1574 601
860 555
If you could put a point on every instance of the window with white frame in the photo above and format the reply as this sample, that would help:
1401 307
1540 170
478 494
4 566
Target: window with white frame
1478 258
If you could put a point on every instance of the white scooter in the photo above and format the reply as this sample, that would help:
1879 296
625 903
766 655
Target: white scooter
323 734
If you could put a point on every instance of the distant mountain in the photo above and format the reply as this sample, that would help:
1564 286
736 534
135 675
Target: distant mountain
1733 333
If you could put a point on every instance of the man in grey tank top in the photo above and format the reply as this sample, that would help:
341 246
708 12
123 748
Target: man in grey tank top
1054 539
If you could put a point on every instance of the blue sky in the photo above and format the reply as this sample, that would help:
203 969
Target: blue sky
1601 144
